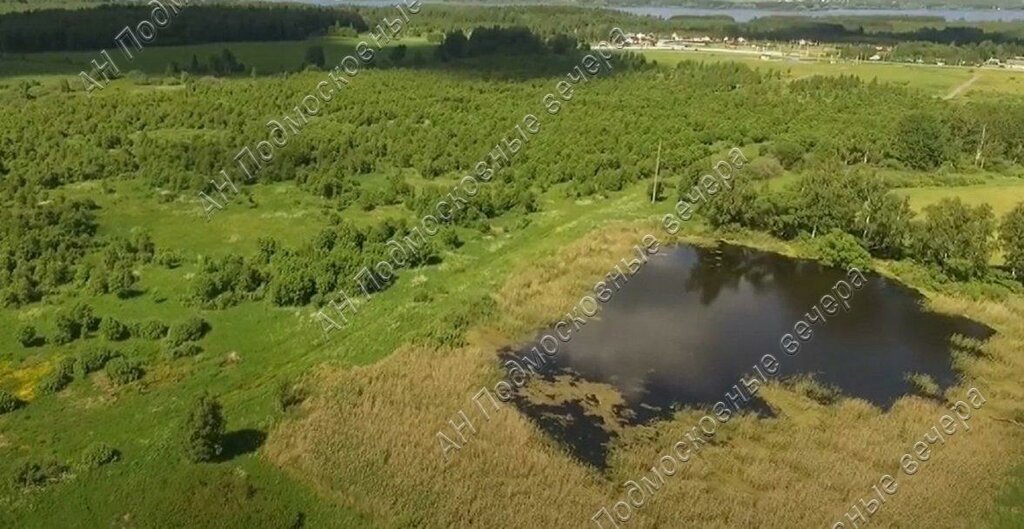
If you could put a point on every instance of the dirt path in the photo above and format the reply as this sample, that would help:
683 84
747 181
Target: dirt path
963 86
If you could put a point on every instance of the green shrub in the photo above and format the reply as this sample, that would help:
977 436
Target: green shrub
787 153
35 474
114 330
9 403
59 378
185 350
149 330
190 330
92 360
122 371
97 455
27 336
203 430
764 168
450 238
1011 236
84 315
840 249
168 259
68 330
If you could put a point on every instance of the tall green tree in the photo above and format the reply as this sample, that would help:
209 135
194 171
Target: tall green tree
1011 235
921 140
315 56
956 237
203 430
883 225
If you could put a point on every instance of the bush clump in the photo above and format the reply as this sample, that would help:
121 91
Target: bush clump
98 455
27 336
150 330
68 330
840 249
84 315
59 378
122 371
93 360
185 350
168 259
190 330
114 330
8 402
35 474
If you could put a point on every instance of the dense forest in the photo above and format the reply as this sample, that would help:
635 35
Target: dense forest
94 29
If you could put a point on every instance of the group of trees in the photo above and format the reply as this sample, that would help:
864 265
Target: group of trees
223 63
600 142
502 40
953 236
41 245
311 273
120 367
953 54
94 29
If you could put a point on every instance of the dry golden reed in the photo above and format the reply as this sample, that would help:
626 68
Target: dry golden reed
367 439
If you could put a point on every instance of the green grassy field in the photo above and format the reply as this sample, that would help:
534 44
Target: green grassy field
934 80
1001 194
272 344
1010 511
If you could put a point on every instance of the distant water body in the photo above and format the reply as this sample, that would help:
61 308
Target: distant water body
747 14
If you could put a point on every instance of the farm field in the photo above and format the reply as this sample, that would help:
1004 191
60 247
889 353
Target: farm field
1002 195
931 79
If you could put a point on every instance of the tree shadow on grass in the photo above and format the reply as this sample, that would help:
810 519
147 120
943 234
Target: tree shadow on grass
241 442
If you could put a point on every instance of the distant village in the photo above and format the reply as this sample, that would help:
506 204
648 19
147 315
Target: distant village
799 49
767 51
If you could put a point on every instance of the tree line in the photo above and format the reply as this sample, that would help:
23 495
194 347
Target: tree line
97 28
837 204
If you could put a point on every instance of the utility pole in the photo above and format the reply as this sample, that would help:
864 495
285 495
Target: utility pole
978 160
657 166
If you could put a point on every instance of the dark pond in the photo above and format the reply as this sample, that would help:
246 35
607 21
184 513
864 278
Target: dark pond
694 320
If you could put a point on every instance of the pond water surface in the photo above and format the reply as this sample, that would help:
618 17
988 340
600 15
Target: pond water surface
687 326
